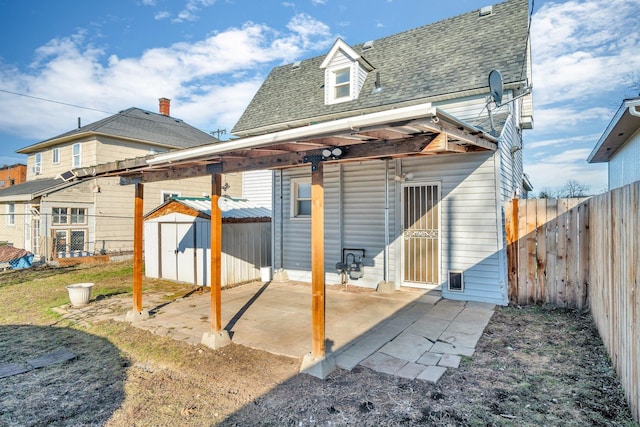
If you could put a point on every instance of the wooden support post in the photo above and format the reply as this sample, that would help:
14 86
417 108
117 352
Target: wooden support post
137 248
217 337
317 263
216 254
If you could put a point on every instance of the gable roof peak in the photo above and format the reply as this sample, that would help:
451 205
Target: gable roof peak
340 45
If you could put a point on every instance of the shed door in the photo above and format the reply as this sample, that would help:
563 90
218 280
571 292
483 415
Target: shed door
420 234
177 249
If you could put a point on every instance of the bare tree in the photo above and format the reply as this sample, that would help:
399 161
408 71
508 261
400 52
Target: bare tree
573 188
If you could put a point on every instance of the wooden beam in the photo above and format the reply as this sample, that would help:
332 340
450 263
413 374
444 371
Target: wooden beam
216 254
441 144
455 133
137 248
317 263
368 150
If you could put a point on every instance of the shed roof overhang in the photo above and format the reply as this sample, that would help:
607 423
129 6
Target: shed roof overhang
408 131
624 124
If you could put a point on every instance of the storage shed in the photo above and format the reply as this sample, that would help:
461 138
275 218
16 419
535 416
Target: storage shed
177 241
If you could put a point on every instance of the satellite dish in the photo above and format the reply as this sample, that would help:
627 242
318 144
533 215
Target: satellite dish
225 203
495 86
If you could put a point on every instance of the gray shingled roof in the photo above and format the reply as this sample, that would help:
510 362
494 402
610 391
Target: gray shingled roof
447 57
34 188
142 125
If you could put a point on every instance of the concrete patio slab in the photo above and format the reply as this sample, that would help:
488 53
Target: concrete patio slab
410 333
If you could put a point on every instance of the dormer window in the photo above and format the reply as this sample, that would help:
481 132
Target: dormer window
342 85
344 73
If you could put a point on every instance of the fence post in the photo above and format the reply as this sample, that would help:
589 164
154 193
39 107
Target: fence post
511 229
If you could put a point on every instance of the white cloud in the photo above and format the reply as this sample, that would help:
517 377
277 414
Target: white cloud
191 8
161 15
210 81
564 141
566 117
583 46
318 2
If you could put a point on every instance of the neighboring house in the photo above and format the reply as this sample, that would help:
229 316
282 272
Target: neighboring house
12 175
54 215
619 145
423 220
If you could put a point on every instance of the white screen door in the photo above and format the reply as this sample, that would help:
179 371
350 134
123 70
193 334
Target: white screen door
420 235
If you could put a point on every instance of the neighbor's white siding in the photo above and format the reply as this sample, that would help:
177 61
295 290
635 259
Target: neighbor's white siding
624 166
256 187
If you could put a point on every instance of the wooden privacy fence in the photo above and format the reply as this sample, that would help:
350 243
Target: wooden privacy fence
570 252
547 251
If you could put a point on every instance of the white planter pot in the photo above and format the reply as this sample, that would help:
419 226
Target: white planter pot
80 294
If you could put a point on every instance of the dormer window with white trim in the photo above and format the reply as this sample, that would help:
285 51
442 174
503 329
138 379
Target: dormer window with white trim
342 83
345 72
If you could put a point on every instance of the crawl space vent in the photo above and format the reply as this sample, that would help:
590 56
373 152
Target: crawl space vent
456 282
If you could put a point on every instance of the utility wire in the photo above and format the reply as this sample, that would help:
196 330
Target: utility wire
56 102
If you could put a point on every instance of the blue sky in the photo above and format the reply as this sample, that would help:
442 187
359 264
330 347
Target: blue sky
210 56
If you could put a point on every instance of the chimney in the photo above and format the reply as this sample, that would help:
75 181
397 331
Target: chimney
165 104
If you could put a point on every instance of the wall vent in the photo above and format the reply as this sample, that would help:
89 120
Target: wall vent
456 281
367 45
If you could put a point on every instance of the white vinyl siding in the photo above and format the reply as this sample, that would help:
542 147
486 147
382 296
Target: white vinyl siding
256 187
624 166
355 218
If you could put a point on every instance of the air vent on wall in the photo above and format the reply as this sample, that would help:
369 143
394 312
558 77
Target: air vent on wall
456 281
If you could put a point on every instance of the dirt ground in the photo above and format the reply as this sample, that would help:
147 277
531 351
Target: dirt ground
533 366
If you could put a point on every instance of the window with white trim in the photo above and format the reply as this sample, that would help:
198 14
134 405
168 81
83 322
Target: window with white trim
56 156
11 213
341 83
60 216
37 167
76 151
301 198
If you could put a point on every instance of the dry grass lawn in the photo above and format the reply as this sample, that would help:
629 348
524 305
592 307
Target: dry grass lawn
533 366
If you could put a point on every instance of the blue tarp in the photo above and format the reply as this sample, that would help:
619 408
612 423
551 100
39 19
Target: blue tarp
23 262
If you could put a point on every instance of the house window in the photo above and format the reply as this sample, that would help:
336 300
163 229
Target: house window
342 85
301 198
11 214
61 241
37 167
60 216
2 183
56 156
77 155
77 241
78 215
166 195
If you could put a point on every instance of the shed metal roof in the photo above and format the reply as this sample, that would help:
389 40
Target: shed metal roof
238 208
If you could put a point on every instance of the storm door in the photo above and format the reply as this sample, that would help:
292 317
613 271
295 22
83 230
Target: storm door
420 235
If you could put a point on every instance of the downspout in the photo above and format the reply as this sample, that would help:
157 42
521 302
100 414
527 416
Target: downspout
281 224
386 221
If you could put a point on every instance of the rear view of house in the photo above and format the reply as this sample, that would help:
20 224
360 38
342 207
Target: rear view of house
428 217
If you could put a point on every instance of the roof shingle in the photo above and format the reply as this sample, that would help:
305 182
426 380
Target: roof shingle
452 56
